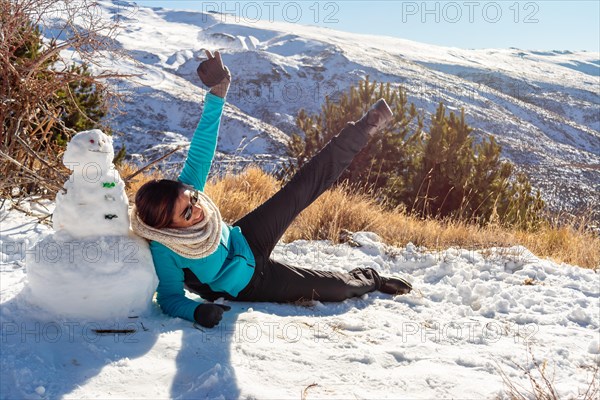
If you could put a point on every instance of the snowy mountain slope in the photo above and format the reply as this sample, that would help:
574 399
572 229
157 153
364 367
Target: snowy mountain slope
472 316
543 107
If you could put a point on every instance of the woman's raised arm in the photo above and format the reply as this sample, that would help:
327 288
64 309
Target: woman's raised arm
204 142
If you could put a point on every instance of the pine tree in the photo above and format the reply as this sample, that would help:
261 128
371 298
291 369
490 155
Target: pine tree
463 180
446 166
442 173
390 151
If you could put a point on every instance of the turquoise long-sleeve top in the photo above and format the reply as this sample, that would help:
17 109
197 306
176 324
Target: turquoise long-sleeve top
231 266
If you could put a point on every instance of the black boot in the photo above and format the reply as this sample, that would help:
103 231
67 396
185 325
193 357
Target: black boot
378 116
394 285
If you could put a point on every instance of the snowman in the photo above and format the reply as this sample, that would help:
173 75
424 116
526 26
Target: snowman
95 203
92 265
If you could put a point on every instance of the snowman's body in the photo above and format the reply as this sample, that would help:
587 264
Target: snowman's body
95 193
92 266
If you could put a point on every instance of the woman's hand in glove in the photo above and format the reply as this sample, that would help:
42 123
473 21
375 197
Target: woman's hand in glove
209 314
214 74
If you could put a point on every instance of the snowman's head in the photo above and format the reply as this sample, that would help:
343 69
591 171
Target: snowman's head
91 146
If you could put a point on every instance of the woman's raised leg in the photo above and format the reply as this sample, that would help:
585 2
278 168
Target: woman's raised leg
264 226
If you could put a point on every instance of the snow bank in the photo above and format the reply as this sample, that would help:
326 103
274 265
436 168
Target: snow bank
109 277
472 316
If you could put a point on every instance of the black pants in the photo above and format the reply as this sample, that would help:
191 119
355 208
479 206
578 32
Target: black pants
264 227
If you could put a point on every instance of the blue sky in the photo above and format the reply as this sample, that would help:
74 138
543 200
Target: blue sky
532 25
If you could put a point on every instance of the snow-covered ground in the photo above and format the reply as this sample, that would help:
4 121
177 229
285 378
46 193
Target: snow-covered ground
470 319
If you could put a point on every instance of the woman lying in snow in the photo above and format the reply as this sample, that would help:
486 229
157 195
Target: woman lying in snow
193 248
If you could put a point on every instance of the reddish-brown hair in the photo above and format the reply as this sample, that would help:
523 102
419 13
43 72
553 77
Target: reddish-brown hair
155 202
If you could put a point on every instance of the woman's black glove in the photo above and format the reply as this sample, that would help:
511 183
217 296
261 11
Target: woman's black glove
214 74
209 314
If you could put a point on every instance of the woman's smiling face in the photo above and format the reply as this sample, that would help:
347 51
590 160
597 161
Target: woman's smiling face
187 205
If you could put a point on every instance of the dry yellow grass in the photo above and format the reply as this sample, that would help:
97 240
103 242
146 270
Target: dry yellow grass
126 169
237 195
339 209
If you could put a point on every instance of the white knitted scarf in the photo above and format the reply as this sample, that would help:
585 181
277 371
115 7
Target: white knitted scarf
197 241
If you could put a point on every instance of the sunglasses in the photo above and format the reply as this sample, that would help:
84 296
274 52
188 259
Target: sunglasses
193 200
